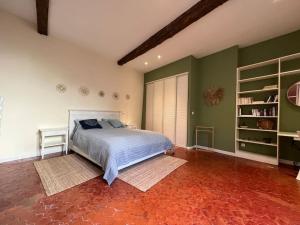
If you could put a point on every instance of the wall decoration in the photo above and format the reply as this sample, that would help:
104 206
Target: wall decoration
101 94
127 96
293 94
61 88
84 91
115 95
265 124
213 96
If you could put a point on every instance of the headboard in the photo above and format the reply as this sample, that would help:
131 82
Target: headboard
90 114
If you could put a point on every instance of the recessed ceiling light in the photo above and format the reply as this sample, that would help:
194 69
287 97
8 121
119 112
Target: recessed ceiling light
159 56
146 63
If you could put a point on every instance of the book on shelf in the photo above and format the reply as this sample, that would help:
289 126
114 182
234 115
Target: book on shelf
268 87
245 100
272 98
260 112
250 100
258 102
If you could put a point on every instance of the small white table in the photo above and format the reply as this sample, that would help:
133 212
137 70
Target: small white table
47 134
293 135
209 130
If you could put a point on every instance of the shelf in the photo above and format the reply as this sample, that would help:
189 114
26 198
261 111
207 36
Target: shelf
259 78
250 116
288 134
290 57
292 72
260 64
47 145
256 129
257 142
257 91
265 103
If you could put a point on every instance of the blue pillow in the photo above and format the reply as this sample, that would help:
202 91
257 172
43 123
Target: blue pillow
90 124
105 124
115 123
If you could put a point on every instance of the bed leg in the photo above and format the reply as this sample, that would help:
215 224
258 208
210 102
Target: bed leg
171 151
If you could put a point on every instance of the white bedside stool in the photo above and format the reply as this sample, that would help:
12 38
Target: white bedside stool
47 134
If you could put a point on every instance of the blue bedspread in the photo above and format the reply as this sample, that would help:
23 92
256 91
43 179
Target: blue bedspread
117 147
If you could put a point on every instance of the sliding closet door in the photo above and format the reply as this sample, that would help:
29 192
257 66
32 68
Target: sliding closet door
169 112
181 111
149 106
158 106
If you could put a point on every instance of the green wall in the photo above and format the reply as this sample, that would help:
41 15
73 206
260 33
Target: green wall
270 49
219 70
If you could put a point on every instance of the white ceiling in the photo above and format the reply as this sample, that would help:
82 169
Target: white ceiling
115 27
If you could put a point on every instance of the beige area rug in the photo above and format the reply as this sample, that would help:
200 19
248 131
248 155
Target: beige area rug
148 173
60 173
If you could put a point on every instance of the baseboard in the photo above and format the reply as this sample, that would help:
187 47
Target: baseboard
244 155
257 157
16 158
286 162
31 155
215 150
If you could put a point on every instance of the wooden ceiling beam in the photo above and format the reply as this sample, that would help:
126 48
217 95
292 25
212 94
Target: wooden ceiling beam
42 11
190 16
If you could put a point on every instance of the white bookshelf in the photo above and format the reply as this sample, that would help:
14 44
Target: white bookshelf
249 93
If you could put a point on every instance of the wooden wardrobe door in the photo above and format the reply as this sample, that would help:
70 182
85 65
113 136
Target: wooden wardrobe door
149 106
181 111
169 116
158 106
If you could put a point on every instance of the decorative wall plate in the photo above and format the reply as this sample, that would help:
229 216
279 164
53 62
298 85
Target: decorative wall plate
61 88
101 94
127 96
213 96
84 91
115 95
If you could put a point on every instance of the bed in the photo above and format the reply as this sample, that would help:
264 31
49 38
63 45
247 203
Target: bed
113 149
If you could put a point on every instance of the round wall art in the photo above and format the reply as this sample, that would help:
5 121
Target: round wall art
101 94
115 95
61 88
213 96
84 91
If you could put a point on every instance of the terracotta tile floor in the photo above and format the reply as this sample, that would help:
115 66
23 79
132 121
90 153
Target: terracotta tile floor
209 189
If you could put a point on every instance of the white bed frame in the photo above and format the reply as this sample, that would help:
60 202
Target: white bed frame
90 114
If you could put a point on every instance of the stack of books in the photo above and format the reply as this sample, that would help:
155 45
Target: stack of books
260 112
268 87
245 100
272 98
264 112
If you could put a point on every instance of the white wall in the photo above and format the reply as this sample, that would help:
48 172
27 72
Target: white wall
32 65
